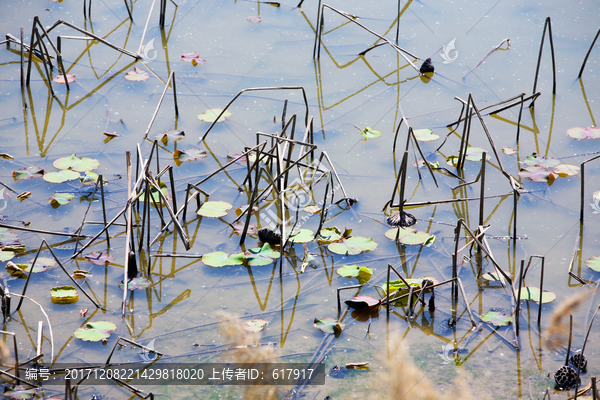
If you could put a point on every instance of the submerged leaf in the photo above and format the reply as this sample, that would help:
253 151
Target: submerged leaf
214 209
536 161
475 154
238 228
136 283
212 114
254 18
496 318
410 236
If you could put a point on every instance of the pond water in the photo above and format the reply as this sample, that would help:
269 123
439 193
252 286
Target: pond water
346 93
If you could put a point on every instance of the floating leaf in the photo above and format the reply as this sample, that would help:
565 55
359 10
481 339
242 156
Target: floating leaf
221 259
509 150
19 392
16 270
23 196
170 136
254 18
399 284
363 302
410 236
192 154
212 114
533 294
79 164
565 170
535 161
6 255
584 133
95 331
425 135
59 199
90 178
27 173
238 228
369 133
64 295
137 75
301 236
214 209
312 209
81 274
496 318
61 78
491 276
189 57
8 238
353 245
254 325
99 258
538 174
154 195
329 325
42 264
242 208
136 283
261 255
61 176
475 154
200 61
452 161
594 263
330 235
355 271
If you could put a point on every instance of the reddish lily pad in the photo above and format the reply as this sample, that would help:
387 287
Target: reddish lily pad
363 302
27 173
329 325
497 318
425 135
214 209
212 114
254 18
238 228
584 133
61 176
352 245
59 199
533 294
189 57
192 154
99 258
137 75
64 295
254 325
79 164
170 136
363 274
538 174
61 78
369 133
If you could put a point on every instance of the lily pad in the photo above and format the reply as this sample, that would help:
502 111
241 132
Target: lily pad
81 274
61 176
353 245
491 276
584 133
533 293
329 325
369 133
59 199
497 318
170 136
99 258
238 228
8 238
18 270
95 331
363 274
312 209
261 255
192 154
212 114
546 162
154 195
64 295
61 78
254 18
221 259
538 174
362 302
189 57
452 161
214 209
301 236
475 154
136 283
254 325
27 173
425 135
6 255
410 236
19 392
330 235
565 170
594 263
79 164
509 150
137 75
90 178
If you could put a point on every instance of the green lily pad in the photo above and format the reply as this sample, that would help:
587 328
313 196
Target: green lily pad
27 173
594 263
90 178
329 325
565 170
254 325
538 174
212 114
363 302
452 161
363 274
99 258
59 199
6 255
330 235
95 331
491 276
136 283
61 176
137 75
301 236
191 154
353 245
584 133
221 259
18 270
214 209
497 318
75 163
533 294
19 392
425 135
261 255
170 136
410 236
154 195
535 161
312 209
475 154
369 133
399 285
64 295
